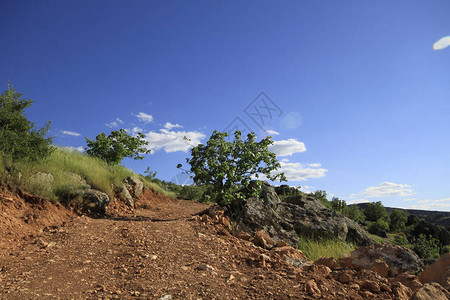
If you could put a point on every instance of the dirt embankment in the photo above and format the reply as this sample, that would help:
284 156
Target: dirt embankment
161 250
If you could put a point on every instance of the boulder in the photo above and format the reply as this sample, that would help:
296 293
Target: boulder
431 291
263 240
126 195
95 201
409 280
298 215
438 272
136 185
394 256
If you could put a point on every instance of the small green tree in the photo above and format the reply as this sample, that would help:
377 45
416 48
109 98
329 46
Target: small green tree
116 146
355 213
375 211
338 204
397 220
426 247
229 165
19 138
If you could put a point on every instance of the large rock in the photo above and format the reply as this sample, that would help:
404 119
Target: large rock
95 201
438 272
398 257
136 185
299 215
432 291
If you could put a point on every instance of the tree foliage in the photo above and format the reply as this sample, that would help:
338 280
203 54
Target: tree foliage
355 213
116 146
230 165
19 138
375 211
397 220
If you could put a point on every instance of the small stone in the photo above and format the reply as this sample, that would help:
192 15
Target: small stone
344 278
371 286
166 297
313 289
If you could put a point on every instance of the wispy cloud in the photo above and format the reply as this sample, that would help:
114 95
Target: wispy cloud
287 147
442 43
146 118
272 132
71 148
71 133
170 126
172 141
388 189
430 204
115 123
296 171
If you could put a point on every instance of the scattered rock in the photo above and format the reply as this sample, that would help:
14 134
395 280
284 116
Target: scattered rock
312 288
243 236
438 272
263 240
409 280
431 291
292 256
401 292
346 262
166 297
371 286
327 261
344 278
380 267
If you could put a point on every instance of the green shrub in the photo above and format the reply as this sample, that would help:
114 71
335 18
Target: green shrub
19 138
375 211
355 213
378 226
397 220
401 240
315 249
426 247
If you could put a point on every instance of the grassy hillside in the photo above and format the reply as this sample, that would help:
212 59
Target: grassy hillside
70 171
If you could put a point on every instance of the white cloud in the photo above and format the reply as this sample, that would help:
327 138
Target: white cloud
287 147
146 118
442 43
172 141
314 165
115 123
356 201
170 126
296 171
134 130
72 133
79 149
428 204
388 189
272 132
307 189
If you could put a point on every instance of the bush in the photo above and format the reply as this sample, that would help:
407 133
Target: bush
355 213
379 227
397 220
401 240
426 247
19 138
375 211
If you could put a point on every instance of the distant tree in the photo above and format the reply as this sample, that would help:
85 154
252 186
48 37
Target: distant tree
229 166
19 138
338 204
116 146
375 211
378 227
355 213
397 220
322 197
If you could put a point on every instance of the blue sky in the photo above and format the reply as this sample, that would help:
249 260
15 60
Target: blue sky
353 92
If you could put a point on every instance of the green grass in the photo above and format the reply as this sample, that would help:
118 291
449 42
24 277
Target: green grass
71 171
315 249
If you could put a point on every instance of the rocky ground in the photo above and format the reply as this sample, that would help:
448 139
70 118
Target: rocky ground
165 249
